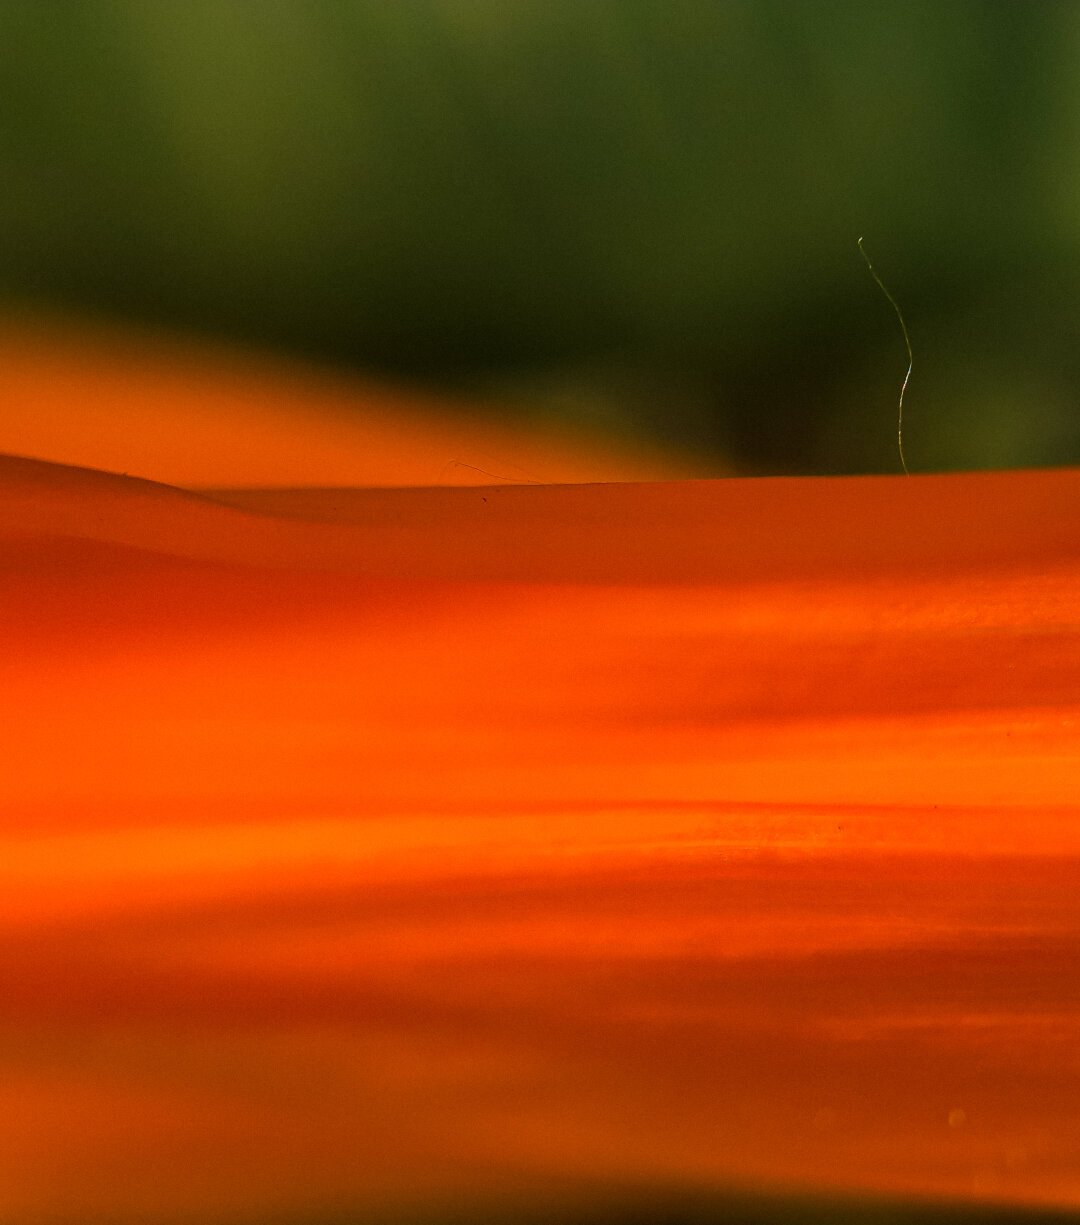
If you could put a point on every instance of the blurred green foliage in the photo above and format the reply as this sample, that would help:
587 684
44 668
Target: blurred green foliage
640 214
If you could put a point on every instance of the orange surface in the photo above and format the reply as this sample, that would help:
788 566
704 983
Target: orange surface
365 849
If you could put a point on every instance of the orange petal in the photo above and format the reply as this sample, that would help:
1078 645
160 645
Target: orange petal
369 850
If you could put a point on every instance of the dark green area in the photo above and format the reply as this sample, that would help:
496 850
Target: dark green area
640 214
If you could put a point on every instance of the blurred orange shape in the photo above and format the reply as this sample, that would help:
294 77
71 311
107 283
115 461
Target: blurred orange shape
153 406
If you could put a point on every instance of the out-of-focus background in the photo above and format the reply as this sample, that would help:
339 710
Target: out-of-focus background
626 215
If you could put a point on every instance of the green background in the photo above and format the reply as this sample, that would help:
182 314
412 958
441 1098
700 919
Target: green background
638 215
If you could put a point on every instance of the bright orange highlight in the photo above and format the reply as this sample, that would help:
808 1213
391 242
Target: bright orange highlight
366 849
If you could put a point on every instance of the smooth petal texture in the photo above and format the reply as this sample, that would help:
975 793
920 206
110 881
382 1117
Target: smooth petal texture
371 850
